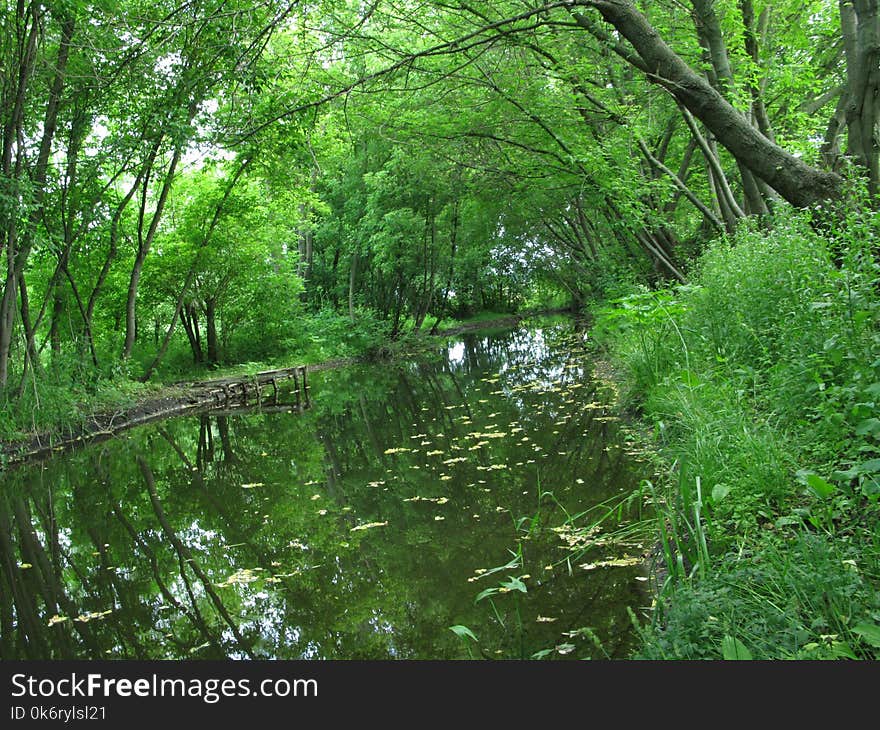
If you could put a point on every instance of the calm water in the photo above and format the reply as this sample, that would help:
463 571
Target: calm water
363 526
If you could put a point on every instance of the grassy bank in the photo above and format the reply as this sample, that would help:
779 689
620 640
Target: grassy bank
760 381
69 396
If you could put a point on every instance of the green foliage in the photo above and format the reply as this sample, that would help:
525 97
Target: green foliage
762 389
804 598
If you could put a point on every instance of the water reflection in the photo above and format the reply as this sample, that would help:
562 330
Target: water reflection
362 526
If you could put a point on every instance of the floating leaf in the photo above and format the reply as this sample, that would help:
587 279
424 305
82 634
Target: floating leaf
565 648
545 620
56 619
369 526
92 615
613 563
240 577
252 485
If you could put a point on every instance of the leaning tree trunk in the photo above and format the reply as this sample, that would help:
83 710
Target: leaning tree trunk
793 179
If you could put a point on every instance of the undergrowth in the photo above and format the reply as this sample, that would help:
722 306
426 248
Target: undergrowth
761 380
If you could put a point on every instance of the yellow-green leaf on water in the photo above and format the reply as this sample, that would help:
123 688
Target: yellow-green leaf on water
251 485
545 620
369 526
239 577
613 563
315 496
397 450
439 517
25 566
92 615
56 619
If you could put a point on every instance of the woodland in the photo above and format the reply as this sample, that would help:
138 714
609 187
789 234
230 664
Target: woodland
208 186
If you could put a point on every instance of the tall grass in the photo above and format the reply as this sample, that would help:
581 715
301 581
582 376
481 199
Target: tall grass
761 379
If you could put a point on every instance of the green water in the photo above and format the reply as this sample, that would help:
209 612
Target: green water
361 526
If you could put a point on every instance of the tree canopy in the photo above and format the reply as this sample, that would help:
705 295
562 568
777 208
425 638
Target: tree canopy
209 172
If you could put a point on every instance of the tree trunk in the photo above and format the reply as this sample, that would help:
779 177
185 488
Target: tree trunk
860 25
352 274
794 180
145 242
211 327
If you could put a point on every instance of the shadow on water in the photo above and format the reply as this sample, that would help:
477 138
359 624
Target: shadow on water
360 527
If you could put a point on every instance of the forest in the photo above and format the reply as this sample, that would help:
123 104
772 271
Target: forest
210 188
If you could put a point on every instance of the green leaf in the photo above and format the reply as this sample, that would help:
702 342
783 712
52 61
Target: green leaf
868 426
485 594
869 632
463 632
872 466
719 492
816 484
733 648
788 520
515 584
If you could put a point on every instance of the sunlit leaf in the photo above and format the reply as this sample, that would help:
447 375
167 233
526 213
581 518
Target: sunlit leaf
514 584
485 594
816 484
733 648
463 632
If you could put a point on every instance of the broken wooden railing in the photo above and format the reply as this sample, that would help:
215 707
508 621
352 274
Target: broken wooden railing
257 392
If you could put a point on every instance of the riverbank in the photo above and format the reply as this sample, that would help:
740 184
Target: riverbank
759 396
238 386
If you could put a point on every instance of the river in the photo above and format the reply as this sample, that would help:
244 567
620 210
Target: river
404 499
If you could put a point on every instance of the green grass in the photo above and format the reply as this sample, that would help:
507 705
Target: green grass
760 381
